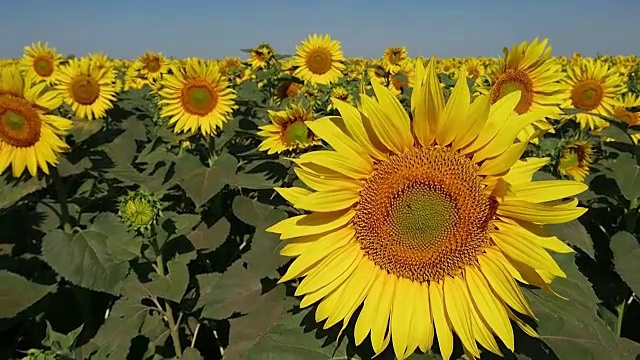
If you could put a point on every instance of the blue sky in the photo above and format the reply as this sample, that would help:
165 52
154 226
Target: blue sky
218 28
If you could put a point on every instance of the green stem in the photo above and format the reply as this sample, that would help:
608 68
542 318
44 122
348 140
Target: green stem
173 327
620 310
212 150
61 190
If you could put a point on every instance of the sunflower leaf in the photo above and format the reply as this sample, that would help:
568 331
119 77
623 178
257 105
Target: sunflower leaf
626 172
626 256
18 293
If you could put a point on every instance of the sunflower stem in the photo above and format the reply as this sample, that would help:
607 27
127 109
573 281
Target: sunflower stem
212 150
61 190
632 215
620 310
173 326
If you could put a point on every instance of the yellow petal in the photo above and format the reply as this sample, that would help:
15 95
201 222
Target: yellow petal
522 171
536 233
524 250
327 201
539 213
499 114
504 161
354 124
385 130
319 183
431 104
455 112
333 160
477 116
401 316
315 223
341 143
457 304
548 190
395 114
440 320
422 312
294 195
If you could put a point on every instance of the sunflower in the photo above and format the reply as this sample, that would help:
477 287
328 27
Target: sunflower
260 57
319 60
153 65
288 90
340 93
377 73
41 62
101 61
530 69
30 138
424 224
622 112
132 78
288 130
196 97
393 58
88 88
593 89
402 77
576 156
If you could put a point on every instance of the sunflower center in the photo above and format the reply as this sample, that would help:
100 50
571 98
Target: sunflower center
19 122
424 214
319 61
153 65
587 95
85 90
512 80
43 66
199 97
296 132
570 159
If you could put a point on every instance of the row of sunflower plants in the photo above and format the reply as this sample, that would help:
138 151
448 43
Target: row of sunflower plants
150 210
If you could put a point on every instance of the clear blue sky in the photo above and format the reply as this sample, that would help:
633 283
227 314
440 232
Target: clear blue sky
217 28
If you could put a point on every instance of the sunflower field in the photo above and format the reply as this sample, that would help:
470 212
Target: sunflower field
311 206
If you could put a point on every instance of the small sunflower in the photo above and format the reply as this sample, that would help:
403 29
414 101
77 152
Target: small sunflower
622 112
153 65
420 225
101 61
393 58
30 137
288 90
595 89
139 210
261 56
377 73
288 130
132 78
196 97
340 93
576 156
319 60
41 62
87 88
530 69
402 77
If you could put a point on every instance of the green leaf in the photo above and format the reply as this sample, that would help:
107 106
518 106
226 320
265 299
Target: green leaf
209 238
626 256
572 327
203 184
96 258
235 290
14 192
172 285
626 172
60 342
83 129
191 354
125 321
122 149
574 234
18 293
66 168
287 340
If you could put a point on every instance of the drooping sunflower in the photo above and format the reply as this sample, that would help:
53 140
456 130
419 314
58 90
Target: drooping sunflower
196 97
340 93
622 112
319 60
88 89
377 73
41 62
30 137
424 224
288 90
402 77
594 89
530 69
153 65
576 156
288 130
393 58
260 56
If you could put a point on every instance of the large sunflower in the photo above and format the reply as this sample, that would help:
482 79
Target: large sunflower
41 62
530 69
319 60
288 130
594 88
30 138
87 87
424 224
196 97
